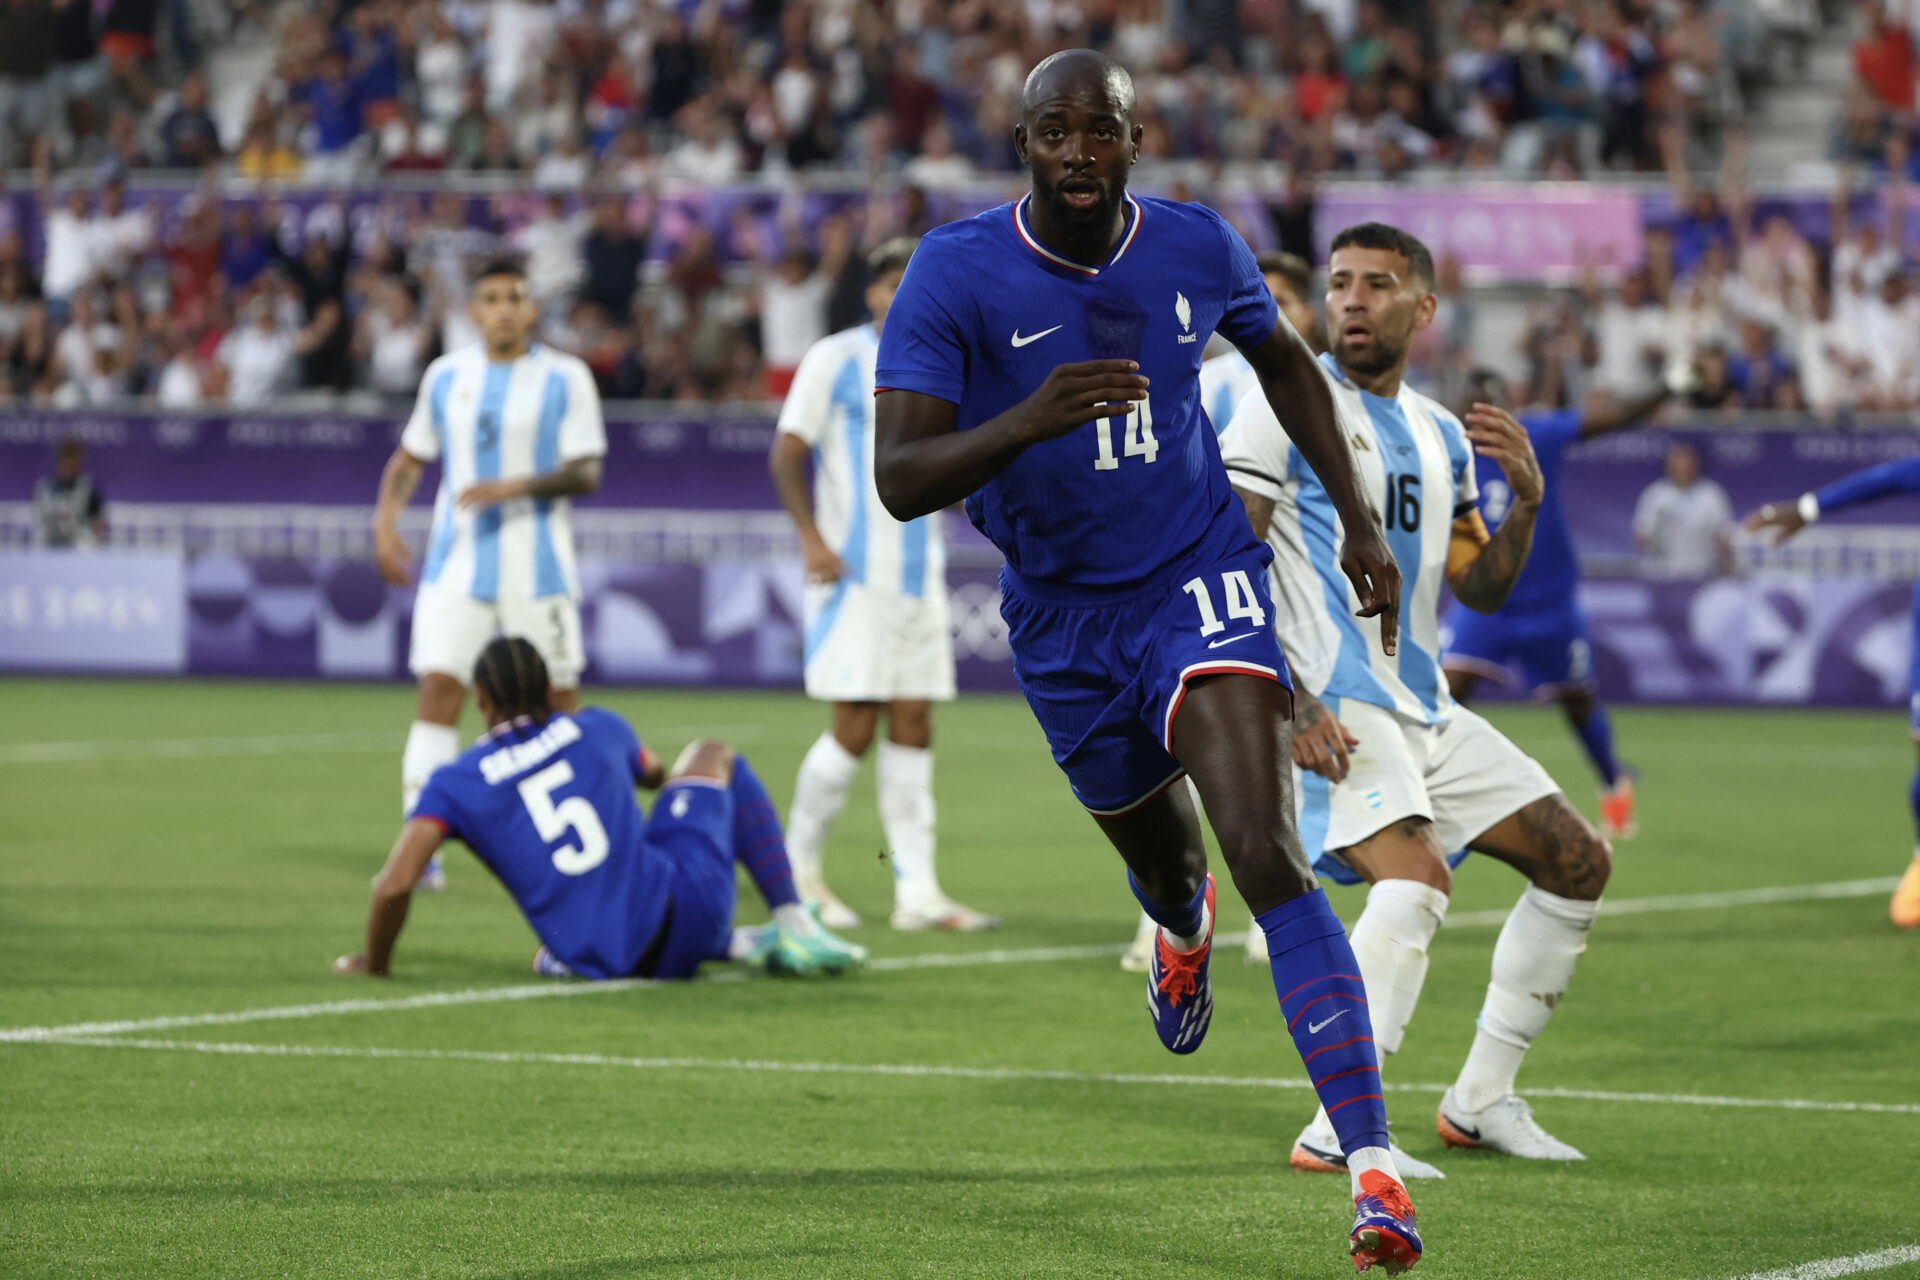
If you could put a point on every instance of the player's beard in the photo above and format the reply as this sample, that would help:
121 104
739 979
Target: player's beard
1378 357
1098 214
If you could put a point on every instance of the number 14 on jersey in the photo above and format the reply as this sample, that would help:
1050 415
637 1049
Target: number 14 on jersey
1138 441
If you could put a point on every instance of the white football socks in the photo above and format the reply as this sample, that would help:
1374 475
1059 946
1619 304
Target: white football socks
1390 941
819 793
795 919
1367 1159
1532 967
904 779
428 747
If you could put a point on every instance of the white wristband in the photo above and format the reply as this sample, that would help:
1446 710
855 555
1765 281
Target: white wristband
1809 508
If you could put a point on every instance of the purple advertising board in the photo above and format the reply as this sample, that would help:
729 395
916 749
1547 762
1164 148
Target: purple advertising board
1771 639
719 464
1537 232
119 611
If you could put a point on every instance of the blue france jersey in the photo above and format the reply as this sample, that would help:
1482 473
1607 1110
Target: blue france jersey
986 312
550 809
1551 577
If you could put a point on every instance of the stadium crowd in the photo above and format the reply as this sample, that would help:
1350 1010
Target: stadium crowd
586 107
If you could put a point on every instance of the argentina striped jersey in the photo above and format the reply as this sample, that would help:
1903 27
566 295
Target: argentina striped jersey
483 420
1417 465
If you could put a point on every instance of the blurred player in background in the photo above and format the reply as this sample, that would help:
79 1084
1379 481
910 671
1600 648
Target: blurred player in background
68 507
1789 518
1397 776
1542 628
1042 362
877 637
545 799
1226 377
517 430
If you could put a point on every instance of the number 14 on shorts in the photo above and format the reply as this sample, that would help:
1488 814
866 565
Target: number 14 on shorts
1241 601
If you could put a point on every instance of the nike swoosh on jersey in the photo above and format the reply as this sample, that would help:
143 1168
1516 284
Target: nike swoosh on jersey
1215 644
1019 341
1313 1028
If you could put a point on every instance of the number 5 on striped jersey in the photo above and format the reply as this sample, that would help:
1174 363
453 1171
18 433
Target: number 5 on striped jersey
1139 439
1241 601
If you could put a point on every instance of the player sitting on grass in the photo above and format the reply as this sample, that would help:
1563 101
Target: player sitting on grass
1399 776
546 800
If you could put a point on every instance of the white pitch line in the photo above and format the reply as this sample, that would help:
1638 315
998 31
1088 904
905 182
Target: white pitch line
292 744
1825 1268
911 1070
1710 901
891 964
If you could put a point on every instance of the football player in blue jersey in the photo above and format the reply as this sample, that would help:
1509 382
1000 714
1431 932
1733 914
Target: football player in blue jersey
546 801
1541 628
1789 518
1041 361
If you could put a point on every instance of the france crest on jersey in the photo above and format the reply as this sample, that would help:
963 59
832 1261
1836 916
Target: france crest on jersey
986 312
550 808
488 421
830 406
1417 466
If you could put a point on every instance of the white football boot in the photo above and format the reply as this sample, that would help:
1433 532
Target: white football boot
1506 1126
1139 953
1317 1150
942 913
831 912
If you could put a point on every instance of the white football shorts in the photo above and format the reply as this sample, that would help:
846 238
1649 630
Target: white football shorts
1464 776
450 628
871 644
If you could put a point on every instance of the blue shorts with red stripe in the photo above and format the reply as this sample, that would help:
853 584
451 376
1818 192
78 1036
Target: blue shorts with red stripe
1105 677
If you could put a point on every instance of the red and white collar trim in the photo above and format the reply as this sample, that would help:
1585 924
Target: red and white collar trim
1033 242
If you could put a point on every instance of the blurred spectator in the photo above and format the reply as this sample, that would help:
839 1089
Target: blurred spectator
26 66
552 241
180 382
334 116
67 261
258 356
68 506
1758 368
188 136
116 235
1683 522
392 340
793 303
1629 334
613 257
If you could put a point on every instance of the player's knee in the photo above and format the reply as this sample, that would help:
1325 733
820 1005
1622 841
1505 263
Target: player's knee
854 724
707 758
440 697
1578 704
910 724
1583 868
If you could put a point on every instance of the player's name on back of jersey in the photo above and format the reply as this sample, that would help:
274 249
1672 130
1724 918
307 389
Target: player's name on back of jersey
518 757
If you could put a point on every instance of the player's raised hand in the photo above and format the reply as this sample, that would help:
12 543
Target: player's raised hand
1320 742
1369 565
1783 518
1078 393
1497 434
391 554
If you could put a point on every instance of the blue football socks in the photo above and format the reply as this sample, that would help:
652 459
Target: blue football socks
1913 799
1325 1005
1182 922
758 844
1596 735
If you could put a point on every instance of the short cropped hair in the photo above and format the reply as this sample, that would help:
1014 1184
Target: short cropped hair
500 267
1291 267
1378 235
891 255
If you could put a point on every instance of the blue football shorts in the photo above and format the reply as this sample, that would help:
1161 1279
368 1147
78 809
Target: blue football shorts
1913 669
1105 678
1552 649
692 826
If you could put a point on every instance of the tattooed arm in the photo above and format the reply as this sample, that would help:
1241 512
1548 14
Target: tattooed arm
1320 741
1482 568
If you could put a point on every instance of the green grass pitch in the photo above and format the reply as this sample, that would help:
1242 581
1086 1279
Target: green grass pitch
208 848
